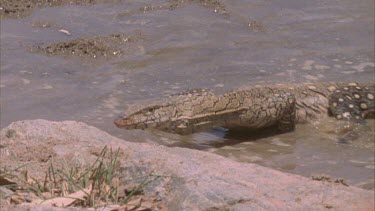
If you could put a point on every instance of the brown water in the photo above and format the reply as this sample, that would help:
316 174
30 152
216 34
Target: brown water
195 47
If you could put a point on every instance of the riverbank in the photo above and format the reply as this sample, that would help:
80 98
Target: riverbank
191 179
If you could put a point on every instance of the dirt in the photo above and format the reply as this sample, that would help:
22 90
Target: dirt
256 26
91 47
326 178
42 24
215 5
22 8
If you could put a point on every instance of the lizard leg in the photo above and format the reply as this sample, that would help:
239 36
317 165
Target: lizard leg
287 122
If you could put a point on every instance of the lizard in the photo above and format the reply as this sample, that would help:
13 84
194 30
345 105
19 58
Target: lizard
253 107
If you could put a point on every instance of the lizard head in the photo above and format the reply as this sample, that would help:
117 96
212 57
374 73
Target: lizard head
152 116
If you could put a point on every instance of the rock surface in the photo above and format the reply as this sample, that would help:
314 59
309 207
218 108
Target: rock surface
196 180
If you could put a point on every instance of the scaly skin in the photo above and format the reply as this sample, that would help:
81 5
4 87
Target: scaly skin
253 107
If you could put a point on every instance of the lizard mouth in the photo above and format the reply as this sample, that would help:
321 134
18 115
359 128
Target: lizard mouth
122 122
131 122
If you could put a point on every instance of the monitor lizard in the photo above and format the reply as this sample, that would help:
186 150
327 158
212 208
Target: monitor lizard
253 107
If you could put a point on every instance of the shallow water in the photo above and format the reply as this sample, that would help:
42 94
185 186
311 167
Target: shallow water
194 47
309 151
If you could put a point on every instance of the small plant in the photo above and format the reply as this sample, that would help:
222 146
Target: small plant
95 186
10 133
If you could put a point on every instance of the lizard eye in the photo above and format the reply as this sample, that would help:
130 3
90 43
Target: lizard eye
151 109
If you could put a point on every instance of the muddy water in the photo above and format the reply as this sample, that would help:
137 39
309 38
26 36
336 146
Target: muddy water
193 45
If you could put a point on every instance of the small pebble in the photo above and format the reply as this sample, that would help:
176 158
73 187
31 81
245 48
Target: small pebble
65 32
